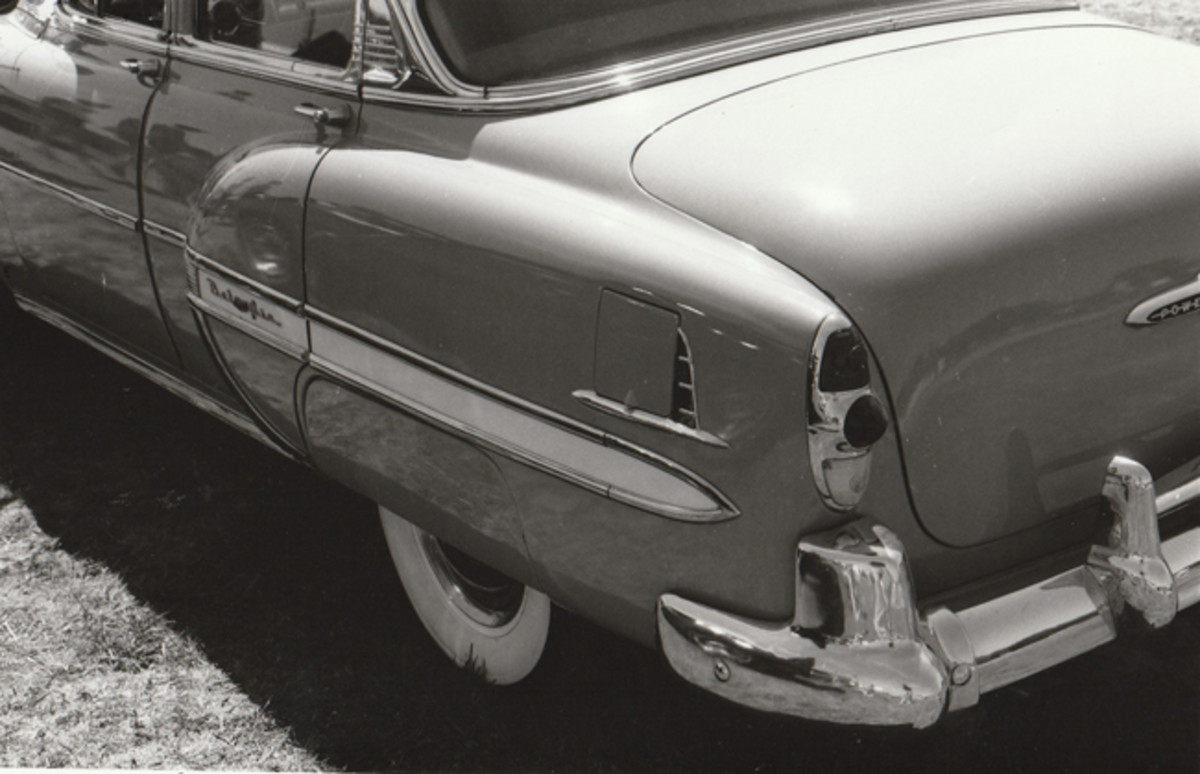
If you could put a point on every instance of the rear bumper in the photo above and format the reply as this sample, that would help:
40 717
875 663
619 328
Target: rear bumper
859 651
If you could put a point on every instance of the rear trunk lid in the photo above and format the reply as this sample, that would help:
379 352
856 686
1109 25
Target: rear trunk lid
988 210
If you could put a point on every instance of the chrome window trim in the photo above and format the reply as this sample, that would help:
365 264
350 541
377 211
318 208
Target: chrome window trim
275 68
153 40
567 90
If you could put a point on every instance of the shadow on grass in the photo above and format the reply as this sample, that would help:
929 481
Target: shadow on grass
284 581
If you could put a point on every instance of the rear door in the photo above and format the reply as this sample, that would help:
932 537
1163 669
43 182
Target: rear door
259 91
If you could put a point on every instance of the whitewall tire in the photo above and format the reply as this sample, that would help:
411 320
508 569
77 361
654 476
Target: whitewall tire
483 620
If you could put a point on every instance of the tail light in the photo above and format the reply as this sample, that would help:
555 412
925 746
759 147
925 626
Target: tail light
845 418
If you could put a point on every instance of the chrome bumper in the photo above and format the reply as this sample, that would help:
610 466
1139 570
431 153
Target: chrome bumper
858 650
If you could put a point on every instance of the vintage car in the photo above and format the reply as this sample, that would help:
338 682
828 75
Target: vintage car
843 352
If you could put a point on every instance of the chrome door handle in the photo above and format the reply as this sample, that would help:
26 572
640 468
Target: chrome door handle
335 116
149 68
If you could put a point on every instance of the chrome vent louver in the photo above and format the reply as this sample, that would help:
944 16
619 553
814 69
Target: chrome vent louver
379 50
379 55
683 402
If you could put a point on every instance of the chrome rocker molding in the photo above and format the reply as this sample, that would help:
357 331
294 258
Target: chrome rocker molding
884 663
175 386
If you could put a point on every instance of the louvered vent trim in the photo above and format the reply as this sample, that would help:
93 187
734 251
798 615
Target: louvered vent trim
193 275
379 48
683 402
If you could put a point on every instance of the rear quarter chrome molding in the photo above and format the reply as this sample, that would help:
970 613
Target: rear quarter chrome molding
570 450
584 456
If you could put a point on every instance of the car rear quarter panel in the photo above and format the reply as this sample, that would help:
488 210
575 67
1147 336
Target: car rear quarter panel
497 273
483 243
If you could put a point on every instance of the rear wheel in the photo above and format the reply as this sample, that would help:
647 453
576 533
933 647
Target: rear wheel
481 618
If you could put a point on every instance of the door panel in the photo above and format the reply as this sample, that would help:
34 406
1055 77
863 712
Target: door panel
228 160
71 134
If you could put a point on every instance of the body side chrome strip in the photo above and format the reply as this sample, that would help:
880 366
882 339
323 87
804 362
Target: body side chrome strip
91 206
168 382
278 343
586 460
337 324
206 263
593 400
169 235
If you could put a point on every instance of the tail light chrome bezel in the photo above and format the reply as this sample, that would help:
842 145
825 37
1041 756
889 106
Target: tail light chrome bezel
841 468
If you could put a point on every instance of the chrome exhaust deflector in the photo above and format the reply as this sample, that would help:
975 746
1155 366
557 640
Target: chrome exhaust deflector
857 650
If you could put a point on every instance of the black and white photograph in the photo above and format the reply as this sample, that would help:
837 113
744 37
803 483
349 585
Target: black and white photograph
600 385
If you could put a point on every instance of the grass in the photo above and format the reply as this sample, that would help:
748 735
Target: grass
91 677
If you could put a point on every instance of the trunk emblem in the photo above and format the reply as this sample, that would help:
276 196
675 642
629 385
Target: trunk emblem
1175 302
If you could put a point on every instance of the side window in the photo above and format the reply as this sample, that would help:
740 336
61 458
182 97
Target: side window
148 12
313 30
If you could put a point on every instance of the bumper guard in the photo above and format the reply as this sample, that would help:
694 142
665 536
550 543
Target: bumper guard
858 650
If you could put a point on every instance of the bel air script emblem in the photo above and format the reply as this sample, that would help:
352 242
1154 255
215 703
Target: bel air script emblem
249 307
1173 303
